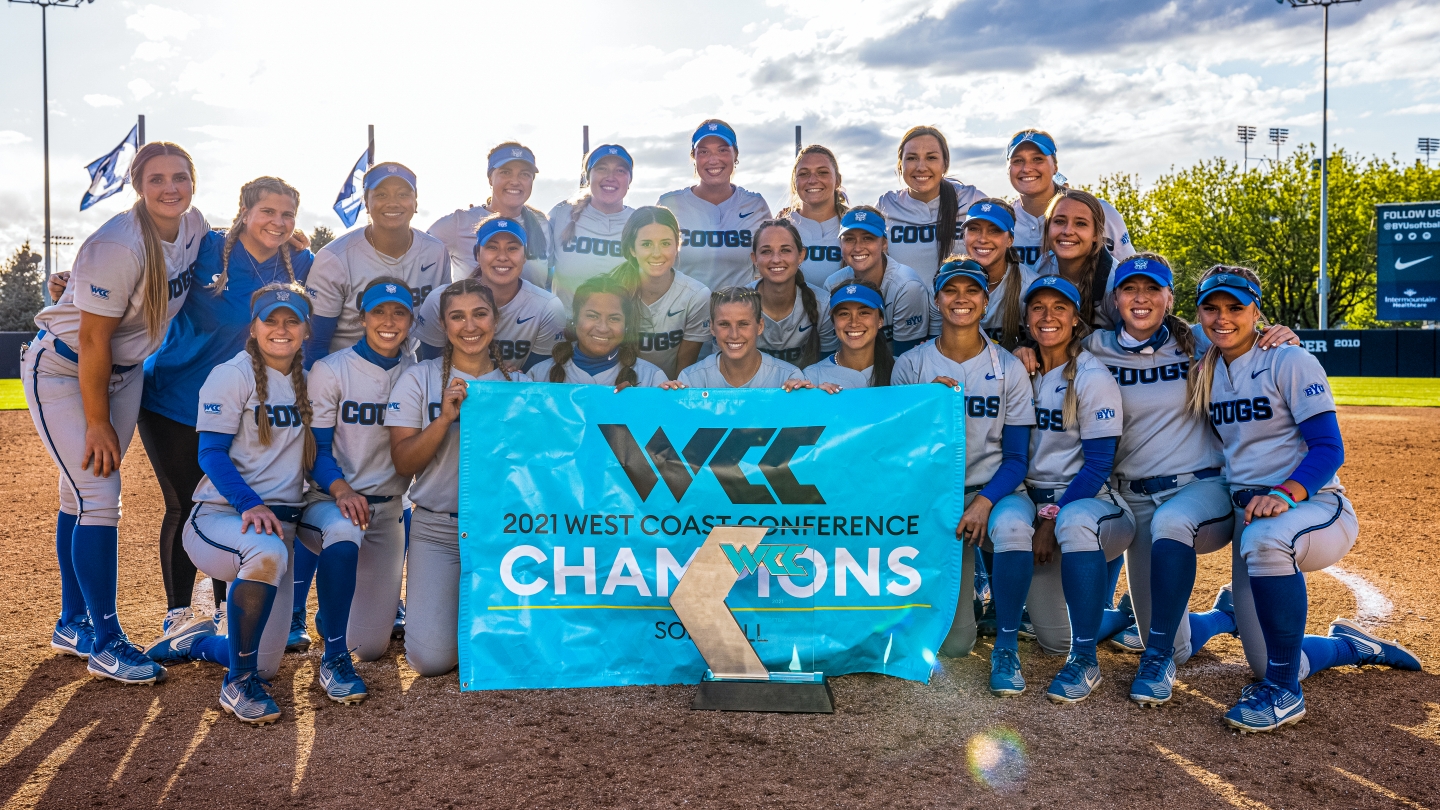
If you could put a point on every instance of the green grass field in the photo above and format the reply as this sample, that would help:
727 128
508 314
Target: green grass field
1415 391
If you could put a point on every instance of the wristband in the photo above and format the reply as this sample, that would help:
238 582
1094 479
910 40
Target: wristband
1049 511
1287 491
1282 494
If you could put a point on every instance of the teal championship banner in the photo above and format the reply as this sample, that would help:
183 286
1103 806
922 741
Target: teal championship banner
580 508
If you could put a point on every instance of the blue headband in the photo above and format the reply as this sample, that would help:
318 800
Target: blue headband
716 129
266 304
382 171
867 221
992 213
1055 283
1154 270
607 150
966 268
1245 291
1040 140
858 293
380 293
511 153
490 227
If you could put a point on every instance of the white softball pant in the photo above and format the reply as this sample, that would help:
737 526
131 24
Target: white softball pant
1314 535
432 596
1007 530
377 571
220 550
1198 514
52 392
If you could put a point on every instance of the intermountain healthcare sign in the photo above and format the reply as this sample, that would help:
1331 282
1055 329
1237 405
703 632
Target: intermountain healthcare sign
580 508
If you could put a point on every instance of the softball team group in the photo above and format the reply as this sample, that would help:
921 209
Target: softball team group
283 396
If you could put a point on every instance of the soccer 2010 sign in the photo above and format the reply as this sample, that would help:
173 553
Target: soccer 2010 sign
580 508
1407 261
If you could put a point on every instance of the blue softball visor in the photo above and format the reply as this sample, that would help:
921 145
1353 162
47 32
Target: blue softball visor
266 304
1154 270
1244 290
857 293
511 153
381 171
1041 141
490 227
966 268
992 213
608 150
380 293
716 129
1055 283
867 221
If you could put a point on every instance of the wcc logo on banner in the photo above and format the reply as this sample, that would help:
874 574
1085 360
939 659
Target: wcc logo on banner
660 461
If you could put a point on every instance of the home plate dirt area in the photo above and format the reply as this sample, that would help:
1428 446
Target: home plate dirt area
1371 739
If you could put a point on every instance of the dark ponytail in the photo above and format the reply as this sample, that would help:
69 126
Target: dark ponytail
536 225
811 352
949 212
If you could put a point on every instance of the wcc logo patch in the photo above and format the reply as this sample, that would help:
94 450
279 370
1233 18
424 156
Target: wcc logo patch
212 407
100 292
658 460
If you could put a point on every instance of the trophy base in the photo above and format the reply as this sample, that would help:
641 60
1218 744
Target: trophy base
789 692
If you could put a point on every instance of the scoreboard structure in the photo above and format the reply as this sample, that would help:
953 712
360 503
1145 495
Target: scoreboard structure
1407 261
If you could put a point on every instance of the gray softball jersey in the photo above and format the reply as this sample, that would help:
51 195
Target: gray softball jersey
351 395
1055 452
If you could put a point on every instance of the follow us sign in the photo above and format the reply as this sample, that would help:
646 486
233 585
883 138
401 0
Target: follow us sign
1407 261
581 507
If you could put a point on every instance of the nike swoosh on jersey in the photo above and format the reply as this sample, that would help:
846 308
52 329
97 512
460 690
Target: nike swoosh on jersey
805 327
1059 388
989 376
427 267
742 216
1255 374
673 314
192 241
523 320
1399 265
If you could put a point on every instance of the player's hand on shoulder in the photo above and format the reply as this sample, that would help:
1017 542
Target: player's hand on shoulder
1027 358
1277 335
795 385
262 519
300 240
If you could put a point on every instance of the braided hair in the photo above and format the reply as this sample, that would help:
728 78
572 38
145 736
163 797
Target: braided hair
811 351
1202 373
466 286
250 195
1086 283
157 276
949 213
629 344
296 373
533 220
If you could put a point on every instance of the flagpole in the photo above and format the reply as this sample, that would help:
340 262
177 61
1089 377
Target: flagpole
141 126
370 150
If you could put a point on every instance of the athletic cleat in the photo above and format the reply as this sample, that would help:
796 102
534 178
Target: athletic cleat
1265 706
248 698
299 637
1154 681
221 628
175 645
122 661
1027 627
1005 677
398 631
1075 681
1127 640
75 637
176 617
985 624
338 679
1373 650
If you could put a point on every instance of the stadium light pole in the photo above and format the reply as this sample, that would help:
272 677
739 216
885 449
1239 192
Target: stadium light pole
1245 134
1428 147
1324 285
45 95
1277 137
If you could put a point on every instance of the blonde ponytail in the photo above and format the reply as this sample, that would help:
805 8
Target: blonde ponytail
157 276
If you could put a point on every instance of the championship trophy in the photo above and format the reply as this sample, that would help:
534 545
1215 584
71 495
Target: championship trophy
737 680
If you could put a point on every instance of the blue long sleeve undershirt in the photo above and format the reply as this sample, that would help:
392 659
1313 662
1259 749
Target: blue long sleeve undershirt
214 458
899 347
1326 452
322 329
1099 461
1014 461
326 470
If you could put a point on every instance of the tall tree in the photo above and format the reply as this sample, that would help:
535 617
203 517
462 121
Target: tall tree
21 293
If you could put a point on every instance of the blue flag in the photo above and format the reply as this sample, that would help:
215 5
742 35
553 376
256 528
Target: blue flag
352 195
109 174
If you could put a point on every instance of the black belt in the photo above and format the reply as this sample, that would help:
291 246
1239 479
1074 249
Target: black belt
286 514
455 515
379 498
1165 483
1243 497
975 488
64 350
1038 495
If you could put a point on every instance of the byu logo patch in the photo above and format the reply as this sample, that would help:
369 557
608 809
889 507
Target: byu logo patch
281 295
502 224
391 169
390 288
860 216
516 152
1314 390
714 127
614 151
985 208
850 290
1141 264
212 407
1105 413
100 292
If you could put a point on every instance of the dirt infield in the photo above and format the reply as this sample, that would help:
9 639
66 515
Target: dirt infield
1372 737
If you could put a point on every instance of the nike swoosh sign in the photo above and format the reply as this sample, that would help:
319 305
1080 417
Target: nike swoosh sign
523 320
1255 374
673 314
1281 713
427 267
989 376
804 328
1399 265
110 616
742 216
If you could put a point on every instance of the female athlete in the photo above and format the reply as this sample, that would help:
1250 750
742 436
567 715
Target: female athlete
798 328
817 201
585 232
510 169
604 349
674 309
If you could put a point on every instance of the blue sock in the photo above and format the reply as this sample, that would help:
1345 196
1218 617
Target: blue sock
305 564
1172 578
1281 604
247 609
72 599
336 587
1207 625
1325 652
215 649
1112 621
95 554
1112 570
1083 574
1010 574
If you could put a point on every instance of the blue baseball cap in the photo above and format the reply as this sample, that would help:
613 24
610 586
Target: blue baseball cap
511 153
859 293
296 302
381 171
868 221
1057 284
1039 140
490 227
1244 290
716 129
967 268
1152 269
608 150
380 293
993 213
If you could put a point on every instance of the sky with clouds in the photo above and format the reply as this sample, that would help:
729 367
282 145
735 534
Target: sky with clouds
285 88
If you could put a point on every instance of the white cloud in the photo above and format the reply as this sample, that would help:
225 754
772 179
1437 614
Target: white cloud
154 51
9 137
140 88
158 23
102 100
1418 109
